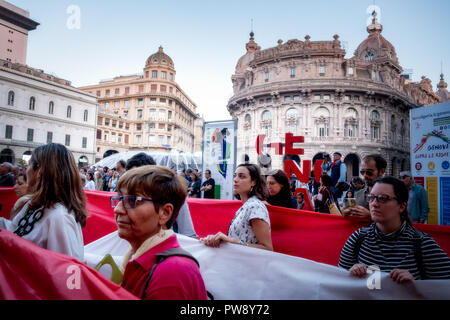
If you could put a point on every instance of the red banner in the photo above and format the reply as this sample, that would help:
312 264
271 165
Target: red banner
310 235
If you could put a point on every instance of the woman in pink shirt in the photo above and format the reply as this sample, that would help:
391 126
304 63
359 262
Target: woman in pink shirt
149 199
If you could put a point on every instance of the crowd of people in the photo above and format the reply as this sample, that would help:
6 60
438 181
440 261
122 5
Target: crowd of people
150 207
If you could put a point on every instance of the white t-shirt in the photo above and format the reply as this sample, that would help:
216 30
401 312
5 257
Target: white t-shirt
240 227
56 231
90 185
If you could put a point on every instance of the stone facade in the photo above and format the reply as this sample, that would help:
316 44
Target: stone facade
37 108
148 111
356 106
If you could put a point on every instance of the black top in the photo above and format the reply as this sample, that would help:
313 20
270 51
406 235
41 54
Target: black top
209 194
7 180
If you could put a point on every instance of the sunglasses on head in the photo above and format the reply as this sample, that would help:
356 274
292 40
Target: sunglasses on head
369 173
129 202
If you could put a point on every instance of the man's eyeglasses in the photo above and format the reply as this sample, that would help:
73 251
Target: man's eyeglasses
129 202
367 172
381 198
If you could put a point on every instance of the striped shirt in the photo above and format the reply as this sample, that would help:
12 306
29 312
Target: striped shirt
396 251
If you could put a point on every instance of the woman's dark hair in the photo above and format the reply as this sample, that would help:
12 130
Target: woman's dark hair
400 191
23 175
139 160
284 197
59 181
89 176
260 188
326 180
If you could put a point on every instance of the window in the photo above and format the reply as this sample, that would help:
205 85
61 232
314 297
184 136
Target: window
119 138
138 139
267 77
8 132
127 90
163 88
125 103
287 99
170 89
151 125
138 126
321 71
162 101
106 122
267 115
147 73
139 113
350 71
107 92
171 76
374 75
296 98
317 97
11 98
127 139
114 123
292 72
151 139
32 103
99 134
170 102
153 87
98 93
67 142
163 75
117 91
125 113
160 139
113 137
30 135
51 107
168 140
154 74
84 143
292 113
69 112
106 105
369 56
85 116
169 116
162 114
152 100
49 137
140 102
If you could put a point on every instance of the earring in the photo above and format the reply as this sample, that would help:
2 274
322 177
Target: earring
161 233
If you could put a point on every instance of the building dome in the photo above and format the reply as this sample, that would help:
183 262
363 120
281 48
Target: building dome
375 46
159 58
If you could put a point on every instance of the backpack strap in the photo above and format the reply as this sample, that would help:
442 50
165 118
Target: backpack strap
417 246
160 257
359 240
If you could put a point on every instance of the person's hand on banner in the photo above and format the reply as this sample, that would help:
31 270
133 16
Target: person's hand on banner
401 275
359 270
214 240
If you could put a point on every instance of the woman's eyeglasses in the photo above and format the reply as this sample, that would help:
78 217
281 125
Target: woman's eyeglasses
381 198
129 202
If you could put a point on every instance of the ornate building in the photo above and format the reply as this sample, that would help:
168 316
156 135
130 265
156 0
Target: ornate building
147 111
37 108
356 106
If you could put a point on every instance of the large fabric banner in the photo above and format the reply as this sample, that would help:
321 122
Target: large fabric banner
32 273
234 272
219 155
310 235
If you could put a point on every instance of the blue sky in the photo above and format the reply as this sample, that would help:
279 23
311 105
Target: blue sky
206 38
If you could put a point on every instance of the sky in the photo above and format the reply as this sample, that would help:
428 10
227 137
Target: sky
205 38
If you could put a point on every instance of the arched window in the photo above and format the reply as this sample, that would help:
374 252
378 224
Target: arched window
11 98
322 121
69 112
374 115
32 103
85 116
266 115
247 122
51 107
375 125
351 123
369 56
291 120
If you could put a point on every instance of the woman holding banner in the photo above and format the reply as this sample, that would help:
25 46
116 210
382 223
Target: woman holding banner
53 217
280 190
391 243
251 224
148 202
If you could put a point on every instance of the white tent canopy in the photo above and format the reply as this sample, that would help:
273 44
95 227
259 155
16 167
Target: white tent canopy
174 159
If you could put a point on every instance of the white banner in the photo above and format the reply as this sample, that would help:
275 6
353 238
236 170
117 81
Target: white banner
219 154
234 272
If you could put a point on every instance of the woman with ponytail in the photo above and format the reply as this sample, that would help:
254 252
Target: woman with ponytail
391 243
53 217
